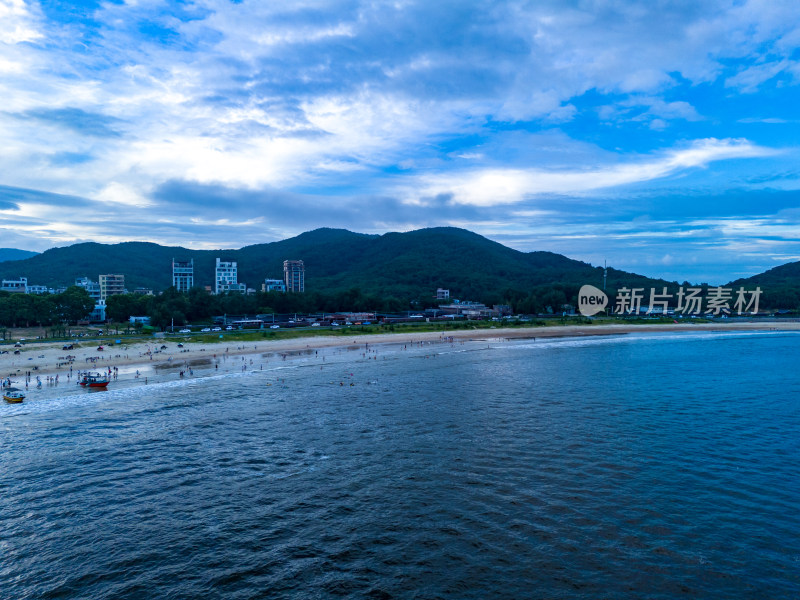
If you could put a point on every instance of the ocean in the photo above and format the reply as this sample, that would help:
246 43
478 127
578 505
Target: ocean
635 466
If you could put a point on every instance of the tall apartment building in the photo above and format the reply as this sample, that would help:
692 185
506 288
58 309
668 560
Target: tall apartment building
226 276
110 285
294 274
182 275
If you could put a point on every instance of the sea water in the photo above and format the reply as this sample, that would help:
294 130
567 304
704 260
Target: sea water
639 466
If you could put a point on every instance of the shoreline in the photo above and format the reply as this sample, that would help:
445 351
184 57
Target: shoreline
153 361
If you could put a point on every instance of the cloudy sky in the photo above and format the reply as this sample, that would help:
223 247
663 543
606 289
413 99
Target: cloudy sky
661 136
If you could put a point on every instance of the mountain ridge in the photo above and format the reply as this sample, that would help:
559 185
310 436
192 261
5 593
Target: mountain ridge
397 264
7 254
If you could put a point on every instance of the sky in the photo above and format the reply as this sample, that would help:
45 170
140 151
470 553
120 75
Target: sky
661 137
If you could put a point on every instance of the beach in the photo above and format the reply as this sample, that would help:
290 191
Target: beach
51 363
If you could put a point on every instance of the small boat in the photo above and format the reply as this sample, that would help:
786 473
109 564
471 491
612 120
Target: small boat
93 380
13 395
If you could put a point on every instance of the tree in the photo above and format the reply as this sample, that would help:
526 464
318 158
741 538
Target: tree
121 307
74 304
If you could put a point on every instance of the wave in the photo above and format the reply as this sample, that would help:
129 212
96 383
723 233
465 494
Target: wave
635 338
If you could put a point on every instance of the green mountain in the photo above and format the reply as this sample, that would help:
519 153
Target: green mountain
780 286
403 265
15 254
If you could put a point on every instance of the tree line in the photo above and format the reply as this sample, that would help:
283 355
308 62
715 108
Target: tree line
27 310
197 305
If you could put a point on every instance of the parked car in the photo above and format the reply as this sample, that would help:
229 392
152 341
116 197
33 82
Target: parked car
205 330
229 328
274 326
216 329
315 324
185 331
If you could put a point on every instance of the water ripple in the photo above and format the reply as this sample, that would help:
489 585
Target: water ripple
655 467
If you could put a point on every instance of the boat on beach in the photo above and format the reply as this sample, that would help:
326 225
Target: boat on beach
93 380
13 395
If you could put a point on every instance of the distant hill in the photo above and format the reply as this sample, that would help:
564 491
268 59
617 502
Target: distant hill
403 265
780 286
15 254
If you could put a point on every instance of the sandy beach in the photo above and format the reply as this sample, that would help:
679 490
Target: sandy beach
48 359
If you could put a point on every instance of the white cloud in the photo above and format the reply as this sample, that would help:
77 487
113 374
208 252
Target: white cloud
422 97
498 186
17 23
749 79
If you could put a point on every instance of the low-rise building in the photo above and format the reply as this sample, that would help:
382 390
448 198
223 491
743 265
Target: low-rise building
442 294
238 288
98 315
39 289
273 285
502 310
471 310
15 286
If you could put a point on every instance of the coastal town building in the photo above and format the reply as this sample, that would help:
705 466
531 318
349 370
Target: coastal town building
442 294
238 288
183 275
273 285
98 315
92 287
16 286
111 285
502 310
226 275
39 290
294 275
142 291
471 310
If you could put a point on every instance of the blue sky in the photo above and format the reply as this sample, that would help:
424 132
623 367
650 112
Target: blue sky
661 137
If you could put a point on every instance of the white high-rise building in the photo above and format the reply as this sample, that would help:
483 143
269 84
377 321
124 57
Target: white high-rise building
183 275
226 276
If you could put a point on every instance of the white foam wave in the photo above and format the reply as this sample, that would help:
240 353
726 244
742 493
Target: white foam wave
635 338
